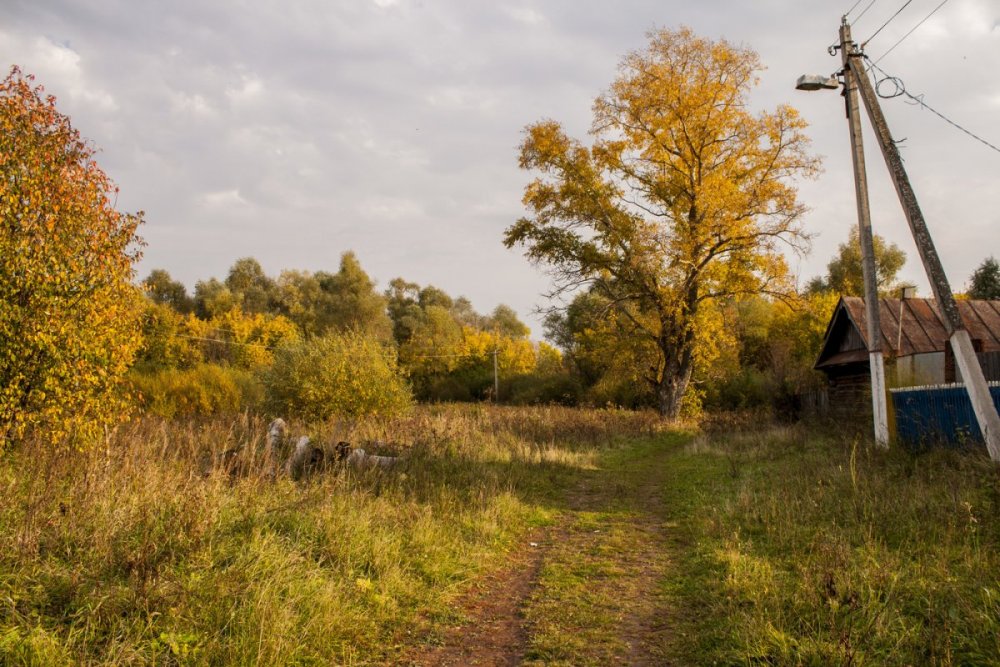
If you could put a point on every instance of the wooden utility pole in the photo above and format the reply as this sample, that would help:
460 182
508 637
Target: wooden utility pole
876 363
961 344
496 377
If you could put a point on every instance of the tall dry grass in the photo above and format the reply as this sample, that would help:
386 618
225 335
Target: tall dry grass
147 550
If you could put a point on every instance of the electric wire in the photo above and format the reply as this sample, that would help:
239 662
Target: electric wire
224 342
865 10
918 100
933 11
905 5
459 355
848 12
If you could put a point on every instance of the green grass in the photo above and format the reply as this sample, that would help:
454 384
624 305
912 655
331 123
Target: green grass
795 548
145 552
741 545
597 587
774 546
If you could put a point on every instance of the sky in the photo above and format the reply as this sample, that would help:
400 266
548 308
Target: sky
295 131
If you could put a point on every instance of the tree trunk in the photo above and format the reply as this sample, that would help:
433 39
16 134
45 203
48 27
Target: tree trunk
671 389
676 346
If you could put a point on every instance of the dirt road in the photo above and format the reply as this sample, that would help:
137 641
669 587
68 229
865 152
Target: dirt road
585 591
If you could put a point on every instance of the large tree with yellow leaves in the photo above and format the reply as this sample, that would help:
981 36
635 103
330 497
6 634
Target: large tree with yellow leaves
69 323
684 197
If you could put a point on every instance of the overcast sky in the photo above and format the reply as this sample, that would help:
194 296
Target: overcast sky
294 131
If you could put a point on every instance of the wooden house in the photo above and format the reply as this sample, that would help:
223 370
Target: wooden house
914 345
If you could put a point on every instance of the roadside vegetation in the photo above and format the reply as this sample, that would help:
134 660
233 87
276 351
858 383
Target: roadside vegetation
750 543
797 547
148 551
734 544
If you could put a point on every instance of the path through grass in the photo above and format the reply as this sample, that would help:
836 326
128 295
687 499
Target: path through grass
744 545
149 552
599 599
772 545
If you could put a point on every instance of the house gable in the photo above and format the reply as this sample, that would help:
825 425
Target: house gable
844 343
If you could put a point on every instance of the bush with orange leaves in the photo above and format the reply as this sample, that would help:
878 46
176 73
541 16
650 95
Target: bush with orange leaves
69 313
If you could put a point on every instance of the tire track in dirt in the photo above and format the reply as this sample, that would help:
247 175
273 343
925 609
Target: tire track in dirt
613 537
496 634
600 599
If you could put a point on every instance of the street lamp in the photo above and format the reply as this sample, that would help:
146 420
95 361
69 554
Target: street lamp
817 82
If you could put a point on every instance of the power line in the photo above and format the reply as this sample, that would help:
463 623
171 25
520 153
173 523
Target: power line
943 3
865 10
224 342
848 12
919 101
457 355
905 5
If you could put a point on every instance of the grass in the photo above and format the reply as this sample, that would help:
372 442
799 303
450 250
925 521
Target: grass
147 552
597 601
797 548
755 544
742 544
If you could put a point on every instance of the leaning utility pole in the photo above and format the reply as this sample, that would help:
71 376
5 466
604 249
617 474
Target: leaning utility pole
961 344
880 414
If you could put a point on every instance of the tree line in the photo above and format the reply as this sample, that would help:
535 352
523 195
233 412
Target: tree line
665 237
444 347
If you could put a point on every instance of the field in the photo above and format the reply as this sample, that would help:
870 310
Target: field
539 535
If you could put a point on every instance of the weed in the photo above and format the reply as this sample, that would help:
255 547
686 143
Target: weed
826 550
150 552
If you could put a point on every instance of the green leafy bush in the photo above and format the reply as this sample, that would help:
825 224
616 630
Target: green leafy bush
345 374
747 388
541 389
206 389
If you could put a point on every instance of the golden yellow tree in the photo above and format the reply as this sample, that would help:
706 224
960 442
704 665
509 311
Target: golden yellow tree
69 315
685 196
246 340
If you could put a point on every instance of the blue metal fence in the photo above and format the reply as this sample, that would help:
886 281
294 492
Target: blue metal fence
939 414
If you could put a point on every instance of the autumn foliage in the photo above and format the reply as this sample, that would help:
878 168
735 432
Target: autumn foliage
340 374
69 314
684 199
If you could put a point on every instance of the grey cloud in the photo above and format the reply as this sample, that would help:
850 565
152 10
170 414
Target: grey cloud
295 131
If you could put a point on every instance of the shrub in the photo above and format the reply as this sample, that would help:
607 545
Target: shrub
167 340
69 315
246 339
538 389
206 389
748 388
621 390
345 374
450 389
